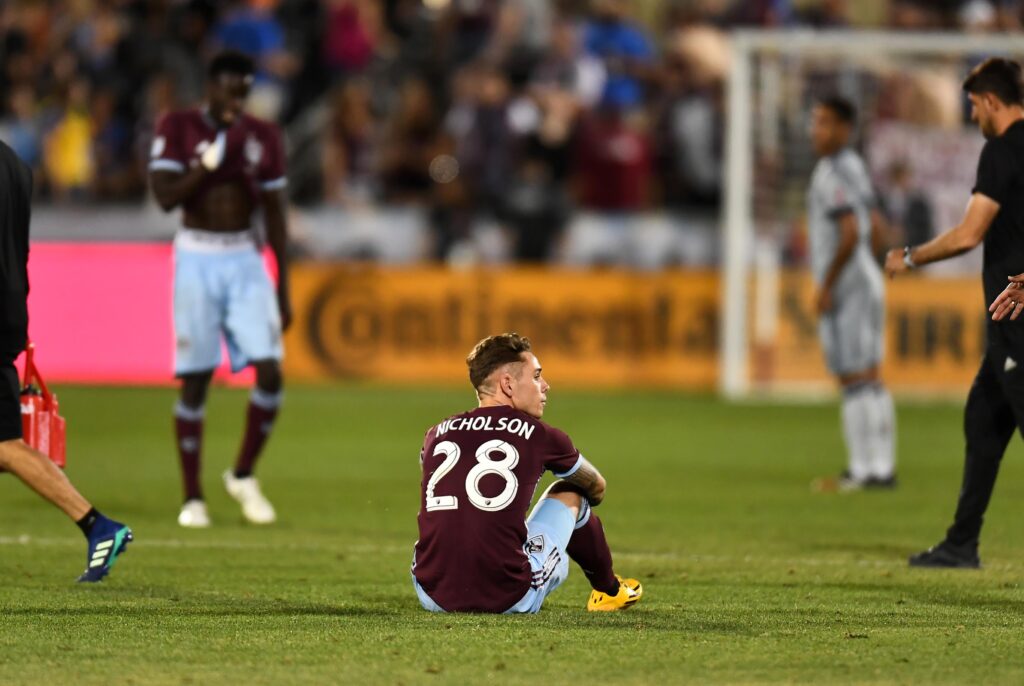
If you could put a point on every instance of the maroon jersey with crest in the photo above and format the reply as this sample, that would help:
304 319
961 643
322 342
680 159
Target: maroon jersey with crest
480 471
253 156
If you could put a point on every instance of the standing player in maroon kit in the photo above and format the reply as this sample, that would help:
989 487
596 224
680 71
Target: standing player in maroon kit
220 165
476 551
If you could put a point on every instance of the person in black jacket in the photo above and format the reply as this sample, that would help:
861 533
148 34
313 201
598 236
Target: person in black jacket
107 538
995 217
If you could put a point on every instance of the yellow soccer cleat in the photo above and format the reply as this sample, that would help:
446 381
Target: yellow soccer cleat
630 592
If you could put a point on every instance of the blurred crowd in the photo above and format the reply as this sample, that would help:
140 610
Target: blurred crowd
521 111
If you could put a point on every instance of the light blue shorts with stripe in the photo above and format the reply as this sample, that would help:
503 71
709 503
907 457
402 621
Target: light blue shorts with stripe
223 293
548 531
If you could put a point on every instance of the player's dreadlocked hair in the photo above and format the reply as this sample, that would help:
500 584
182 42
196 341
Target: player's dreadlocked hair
493 352
998 76
230 62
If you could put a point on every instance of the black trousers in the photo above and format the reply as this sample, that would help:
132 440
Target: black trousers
995 408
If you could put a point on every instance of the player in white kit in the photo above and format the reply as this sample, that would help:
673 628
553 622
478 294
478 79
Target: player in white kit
842 223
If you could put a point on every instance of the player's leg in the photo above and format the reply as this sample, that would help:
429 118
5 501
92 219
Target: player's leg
851 336
869 420
882 410
253 333
189 417
107 538
989 423
853 412
588 547
260 415
197 326
548 530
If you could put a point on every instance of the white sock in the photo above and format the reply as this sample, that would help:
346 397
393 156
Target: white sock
883 434
856 414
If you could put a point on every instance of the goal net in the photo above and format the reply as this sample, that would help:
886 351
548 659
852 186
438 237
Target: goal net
921 149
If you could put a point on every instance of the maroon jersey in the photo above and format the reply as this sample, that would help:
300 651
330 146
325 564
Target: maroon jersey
254 155
480 471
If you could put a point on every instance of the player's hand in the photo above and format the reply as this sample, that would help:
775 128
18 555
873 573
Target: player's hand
213 155
823 301
1010 302
894 263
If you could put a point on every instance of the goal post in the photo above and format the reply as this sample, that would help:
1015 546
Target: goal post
912 122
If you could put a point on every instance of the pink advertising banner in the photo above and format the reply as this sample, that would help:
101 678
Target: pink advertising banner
101 312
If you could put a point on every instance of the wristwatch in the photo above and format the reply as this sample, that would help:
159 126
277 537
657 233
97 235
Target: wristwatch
907 259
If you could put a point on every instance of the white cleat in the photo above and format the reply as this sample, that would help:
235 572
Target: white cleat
193 515
246 490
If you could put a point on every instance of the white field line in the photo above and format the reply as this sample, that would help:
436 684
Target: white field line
885 563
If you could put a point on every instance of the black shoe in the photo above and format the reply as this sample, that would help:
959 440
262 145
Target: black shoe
947 555
879 483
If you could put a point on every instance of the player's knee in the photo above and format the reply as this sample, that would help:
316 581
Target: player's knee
194 388
268 376
566 493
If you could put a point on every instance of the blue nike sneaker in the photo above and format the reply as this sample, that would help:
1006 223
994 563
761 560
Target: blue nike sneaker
106 542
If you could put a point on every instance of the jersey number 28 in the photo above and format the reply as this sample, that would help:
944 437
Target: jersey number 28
485 465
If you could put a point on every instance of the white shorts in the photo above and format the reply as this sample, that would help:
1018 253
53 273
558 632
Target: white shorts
222 290
852 334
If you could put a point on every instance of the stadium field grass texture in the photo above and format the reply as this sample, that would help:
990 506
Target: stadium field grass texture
749 577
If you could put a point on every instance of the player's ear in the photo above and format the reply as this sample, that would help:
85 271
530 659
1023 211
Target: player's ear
506 384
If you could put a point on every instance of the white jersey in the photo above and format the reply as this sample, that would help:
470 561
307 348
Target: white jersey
839 185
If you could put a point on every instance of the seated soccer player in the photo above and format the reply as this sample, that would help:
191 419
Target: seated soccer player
477 552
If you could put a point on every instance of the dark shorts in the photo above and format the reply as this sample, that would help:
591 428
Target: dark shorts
10 402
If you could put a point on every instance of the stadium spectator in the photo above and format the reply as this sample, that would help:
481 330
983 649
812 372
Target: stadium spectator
567 68
614 162
689 117
624 48
465 30
114 151
252 28
347 152
350 36
535 209
613 180
906 207
67 147
20 128
413 138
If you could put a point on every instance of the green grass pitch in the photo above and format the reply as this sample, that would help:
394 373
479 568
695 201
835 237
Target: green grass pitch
749 577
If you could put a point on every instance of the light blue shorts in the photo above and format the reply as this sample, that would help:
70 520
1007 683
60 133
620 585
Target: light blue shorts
549 529
223 291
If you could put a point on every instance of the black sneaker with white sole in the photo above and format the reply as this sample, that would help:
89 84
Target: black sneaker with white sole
948 556
879 483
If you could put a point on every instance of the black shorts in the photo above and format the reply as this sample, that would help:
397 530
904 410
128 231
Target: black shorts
10 402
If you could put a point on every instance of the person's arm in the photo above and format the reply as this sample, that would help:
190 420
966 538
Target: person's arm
274 215
173 188
965 236
589 481
846 225
879 234
174 182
